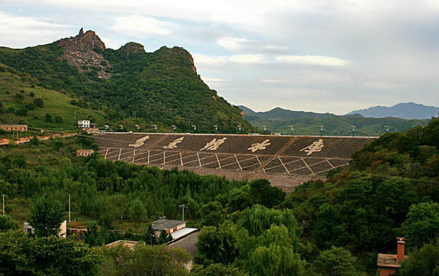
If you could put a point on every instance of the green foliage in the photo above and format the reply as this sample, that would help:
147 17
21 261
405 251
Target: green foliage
217 270
39 102
137 210
7 223
48 118
217 244
52 256
335 262
145 260
164 237
424 261
422 224
261 192
267 241
46 216
212 213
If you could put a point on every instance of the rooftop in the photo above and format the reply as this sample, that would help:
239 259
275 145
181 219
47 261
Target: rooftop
161 224
389 260
129 244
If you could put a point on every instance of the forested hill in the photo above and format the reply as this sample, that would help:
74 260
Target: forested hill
161 88
308 123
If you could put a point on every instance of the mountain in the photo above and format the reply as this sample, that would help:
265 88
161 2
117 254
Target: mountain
308 123
284 114
401 110
160 88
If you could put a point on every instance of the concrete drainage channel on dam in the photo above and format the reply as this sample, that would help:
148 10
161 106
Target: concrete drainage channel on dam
286 161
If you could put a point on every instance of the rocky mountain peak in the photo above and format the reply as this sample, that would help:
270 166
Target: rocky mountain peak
84 51
132 48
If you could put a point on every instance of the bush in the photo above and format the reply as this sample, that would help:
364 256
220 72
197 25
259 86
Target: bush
39 102
30 106
48 118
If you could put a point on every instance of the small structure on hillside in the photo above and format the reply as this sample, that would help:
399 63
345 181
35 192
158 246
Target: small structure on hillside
62 229
169 225
84 152
390 263
84 123
124 243
93 130
14 127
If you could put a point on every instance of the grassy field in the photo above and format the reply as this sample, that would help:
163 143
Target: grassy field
18 92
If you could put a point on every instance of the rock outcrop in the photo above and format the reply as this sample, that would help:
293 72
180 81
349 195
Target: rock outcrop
84 51
132 48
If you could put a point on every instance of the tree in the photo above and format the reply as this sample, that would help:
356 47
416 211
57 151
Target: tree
7 223
22 255
46 216
262 193
58 119
335 262
217 244
48 118
39 102
137 210
212 213
218 270
164 237
422 223
424 261
148 260
267 241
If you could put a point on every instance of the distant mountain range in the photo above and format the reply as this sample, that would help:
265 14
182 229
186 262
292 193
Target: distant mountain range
308 123
401 110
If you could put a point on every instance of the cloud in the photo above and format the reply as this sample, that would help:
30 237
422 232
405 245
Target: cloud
203 59
217 60
232 43
141 26
21 31
247 59
313 60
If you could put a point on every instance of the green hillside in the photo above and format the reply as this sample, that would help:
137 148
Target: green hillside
160 88
308 123
20 97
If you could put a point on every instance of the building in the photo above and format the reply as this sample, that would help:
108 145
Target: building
170 226
128 244
389 263
62 229
14 127
93 130
84 123
84 152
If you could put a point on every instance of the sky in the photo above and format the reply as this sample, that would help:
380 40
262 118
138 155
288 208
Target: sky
309 55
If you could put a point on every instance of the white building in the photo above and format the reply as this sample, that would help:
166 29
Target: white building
84 123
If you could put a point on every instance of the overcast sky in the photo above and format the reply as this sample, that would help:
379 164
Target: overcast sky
312 55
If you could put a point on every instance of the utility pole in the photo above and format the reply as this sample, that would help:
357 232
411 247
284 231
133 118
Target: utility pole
292 129
182 206
69 207
321 130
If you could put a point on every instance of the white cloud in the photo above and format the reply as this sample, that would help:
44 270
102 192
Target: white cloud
232 43
20 31
247 59
313 60
217 60
141 26
203 59
207 79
